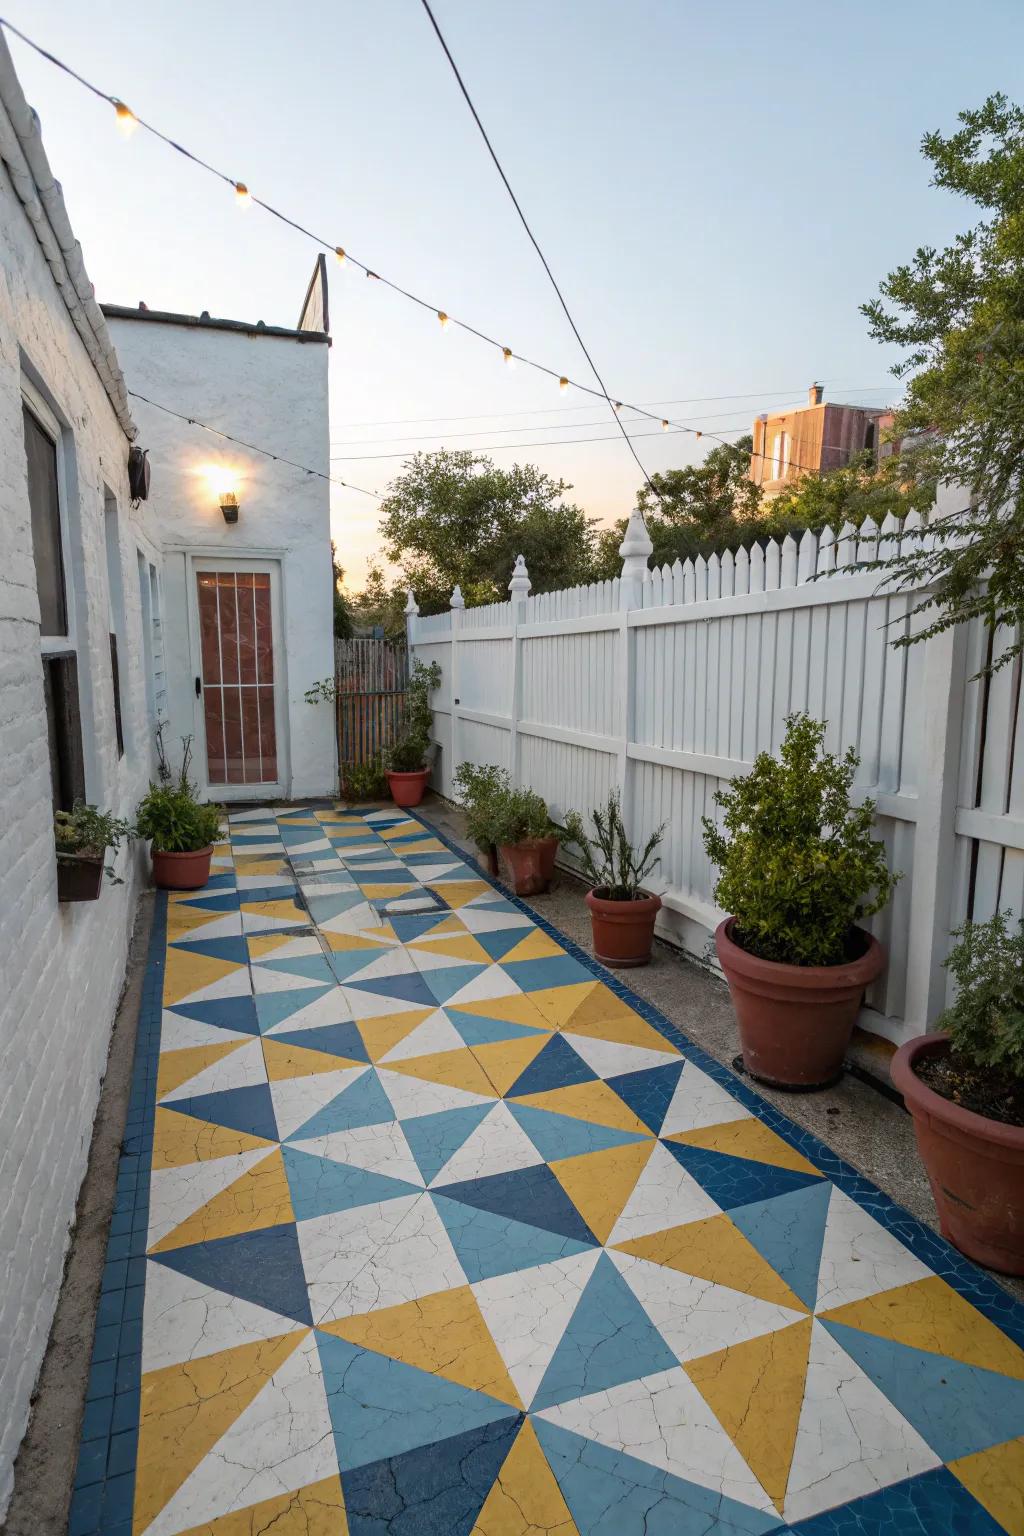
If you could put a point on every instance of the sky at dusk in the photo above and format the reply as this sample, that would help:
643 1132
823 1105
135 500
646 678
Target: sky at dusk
717 188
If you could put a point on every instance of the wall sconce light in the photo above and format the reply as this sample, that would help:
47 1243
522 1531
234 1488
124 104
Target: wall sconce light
229 506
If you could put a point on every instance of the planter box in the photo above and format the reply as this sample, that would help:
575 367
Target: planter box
79 876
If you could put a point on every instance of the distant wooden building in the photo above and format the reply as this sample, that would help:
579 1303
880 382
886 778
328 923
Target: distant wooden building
815 437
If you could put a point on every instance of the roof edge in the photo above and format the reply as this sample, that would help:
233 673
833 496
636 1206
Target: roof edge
209 322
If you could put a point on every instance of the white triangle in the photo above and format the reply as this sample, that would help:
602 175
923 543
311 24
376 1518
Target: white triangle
329 862
239 1069
663 1420
430 960
608 1058
371 1005
498 1145
329 1008
259 816
281 1442
492 982
432 872
266 979
353 921
262 849
437 1033
335 1248
528 1312
665 1195
256 922
292 949
297 1099
321 887
695 1317
415 1259
263 883
175 1193
222 925
850 1441
393 962
311 845
699 1101
480 920
415 1096
377 1148
177 1033
859 1257
234 983
183 1319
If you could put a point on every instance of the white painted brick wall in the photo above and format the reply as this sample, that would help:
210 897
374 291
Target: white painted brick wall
61 967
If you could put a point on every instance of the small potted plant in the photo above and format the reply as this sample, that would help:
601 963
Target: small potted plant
964 1086
526 839
182 829
405 761
478 788
798 870
621 916
82 837
364 781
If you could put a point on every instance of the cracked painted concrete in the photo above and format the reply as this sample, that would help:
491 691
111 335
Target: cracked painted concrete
427 1226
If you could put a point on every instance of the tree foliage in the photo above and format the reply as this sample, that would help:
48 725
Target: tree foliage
342 609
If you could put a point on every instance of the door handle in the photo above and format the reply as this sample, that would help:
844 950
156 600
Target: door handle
199 687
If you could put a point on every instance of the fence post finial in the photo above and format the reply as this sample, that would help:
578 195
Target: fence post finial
457 600
636 548
520 584
412 607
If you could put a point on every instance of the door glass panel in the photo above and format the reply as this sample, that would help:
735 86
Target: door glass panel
236 649
44 506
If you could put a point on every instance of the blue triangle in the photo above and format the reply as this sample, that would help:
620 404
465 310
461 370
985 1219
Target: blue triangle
381 1407
334 1039
249 1109
476 1030
502 941
319 1186
433 1139
445 983
609 1340
314 967
557 1136
323 908
450 1479
225 881
958 1409
410 926
649 1092
925 1505
270 893
789 1232
556 1066
232 948
345 962
733 1181
555 971
612 1494
220 901
531 1195
363 1102
237 1013
488 1244
262 1267
274 1007
410 988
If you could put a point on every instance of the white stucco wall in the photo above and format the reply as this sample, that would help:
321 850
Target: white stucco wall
61 966
270 391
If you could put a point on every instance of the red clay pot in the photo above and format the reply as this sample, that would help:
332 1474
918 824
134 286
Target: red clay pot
181 871
407 789
795 1020
975 1165
623 930
529 864
79 877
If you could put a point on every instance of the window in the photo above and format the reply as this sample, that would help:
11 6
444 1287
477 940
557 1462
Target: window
115 607
47 537
780 455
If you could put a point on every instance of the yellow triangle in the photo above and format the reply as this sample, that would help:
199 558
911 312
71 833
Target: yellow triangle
715 1250
185 1409
627 1029
177 1067
260 864
181 1139
458 893
525 1499
426 845
182 920
506 1060
558 1004
588 1101
342 942
996 1479
456 1069
756 1391
378 890
316 1510
186 972
516 1009
404 828
931 1316
260 1198
746 1138
465 947
261 944
598 1004
287 1060
444 1334
384 1033
600 1183
537 946
284 909
449 924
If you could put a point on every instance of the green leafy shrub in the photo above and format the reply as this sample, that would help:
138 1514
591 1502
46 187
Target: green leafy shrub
89 832
364 781
520 815
798 867
170 815
986 1022
480 787
408 753
610 862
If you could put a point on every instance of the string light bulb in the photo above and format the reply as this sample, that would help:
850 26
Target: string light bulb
374 275
563 386
339 251
127 122
506 353
443 320
243 197
618 405
664 425
700 434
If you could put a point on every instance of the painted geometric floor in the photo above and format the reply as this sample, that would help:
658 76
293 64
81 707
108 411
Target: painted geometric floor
427 1227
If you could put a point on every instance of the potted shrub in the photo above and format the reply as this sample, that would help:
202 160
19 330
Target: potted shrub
405 761
82 837
526 839
181 829
964 1086
798 869
621 916
478 786
364 781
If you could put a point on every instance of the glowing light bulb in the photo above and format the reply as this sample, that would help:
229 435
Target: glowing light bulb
664 426
127 122
374 275
339 251
443 318
700 434
243 197
618 405
506 353
563 386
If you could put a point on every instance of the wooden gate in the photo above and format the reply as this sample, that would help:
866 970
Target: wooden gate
371 680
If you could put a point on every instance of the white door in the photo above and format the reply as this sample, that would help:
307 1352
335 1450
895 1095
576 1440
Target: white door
241 719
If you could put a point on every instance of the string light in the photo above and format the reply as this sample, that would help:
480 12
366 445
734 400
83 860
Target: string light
443 318
127 122
617 405
664 425
243 197
506 353
374 275
563 385
339 251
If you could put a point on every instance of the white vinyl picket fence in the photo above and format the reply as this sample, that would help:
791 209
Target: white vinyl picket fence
668 682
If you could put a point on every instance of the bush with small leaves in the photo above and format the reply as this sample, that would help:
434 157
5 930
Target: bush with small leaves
986 1022
610 862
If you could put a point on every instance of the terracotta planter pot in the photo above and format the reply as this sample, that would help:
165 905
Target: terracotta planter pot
79 877
974 1165
407 789
795 1020
529 864
623 930
181 871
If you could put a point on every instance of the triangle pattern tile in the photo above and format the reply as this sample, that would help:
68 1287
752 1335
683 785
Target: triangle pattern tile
263 1267
185 1318
527 1313
249 1109
233 1013
284 1060
433 1139
318 1509
649 1091
600 1183
297 1099
176 1192
929 1315
996 1479
561 1136
334 1039
319 1185
258 1198
531 1194
182 1139
476 1030
736 1181
489 1244
362 1102
716 1250
525 1497
789 1231
664 1194
556 1066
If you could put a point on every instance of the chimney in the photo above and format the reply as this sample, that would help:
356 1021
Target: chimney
815 394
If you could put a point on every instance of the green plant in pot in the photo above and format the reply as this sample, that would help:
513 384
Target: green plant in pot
181 828
479 787
622 916
364 781
405 761
526 839
82 837
964 1086
798 870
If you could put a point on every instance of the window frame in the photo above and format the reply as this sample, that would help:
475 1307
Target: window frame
57 645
